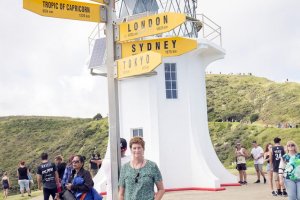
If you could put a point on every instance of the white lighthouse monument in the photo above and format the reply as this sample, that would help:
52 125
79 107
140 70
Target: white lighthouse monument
168 106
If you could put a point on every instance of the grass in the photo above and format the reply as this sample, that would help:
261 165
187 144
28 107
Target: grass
18 196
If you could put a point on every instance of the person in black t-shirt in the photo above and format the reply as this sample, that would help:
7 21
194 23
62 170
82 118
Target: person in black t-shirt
61 166
48 175
23 178
275 156
94 164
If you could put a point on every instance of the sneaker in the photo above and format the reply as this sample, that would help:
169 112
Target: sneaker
258 181
279 193
284 194
265 180
245 182
274 193
241 182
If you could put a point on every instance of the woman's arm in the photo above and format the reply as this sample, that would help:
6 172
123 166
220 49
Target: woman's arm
160 190
121 193
88 183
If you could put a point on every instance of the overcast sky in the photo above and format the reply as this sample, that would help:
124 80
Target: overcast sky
42 60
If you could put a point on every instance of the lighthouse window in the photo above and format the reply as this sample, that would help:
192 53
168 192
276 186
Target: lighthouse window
137 132
171 80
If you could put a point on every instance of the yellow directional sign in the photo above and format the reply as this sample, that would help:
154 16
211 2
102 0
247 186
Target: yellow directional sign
85 11
150 25
102 1
138 64
172 46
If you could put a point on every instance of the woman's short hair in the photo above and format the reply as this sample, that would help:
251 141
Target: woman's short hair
137 140
291 142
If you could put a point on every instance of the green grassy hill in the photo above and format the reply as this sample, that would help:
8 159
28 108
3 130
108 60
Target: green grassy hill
25 138
237 97
230 98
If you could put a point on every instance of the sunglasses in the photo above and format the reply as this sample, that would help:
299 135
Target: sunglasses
136 180
291 145
75 161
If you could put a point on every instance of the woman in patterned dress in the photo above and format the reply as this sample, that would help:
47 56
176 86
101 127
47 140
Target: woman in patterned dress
290 166
138 177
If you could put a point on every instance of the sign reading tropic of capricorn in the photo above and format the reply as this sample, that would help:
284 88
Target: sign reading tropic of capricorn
170 46
138 64
84 11
150 25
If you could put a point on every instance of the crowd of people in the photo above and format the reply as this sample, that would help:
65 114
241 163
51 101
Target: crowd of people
282 166
71 181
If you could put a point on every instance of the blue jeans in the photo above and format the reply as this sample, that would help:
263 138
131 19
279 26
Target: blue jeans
293 189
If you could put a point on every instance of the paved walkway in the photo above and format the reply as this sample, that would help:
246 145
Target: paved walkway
251 191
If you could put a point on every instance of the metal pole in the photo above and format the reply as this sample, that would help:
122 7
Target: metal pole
114 129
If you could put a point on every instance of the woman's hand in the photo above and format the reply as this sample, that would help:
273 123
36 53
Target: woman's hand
68 186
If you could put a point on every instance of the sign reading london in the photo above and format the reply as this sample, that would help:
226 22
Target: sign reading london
85 11
138 64
171 46
150 25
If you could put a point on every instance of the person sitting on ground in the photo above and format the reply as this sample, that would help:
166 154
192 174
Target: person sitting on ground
5 185
138 177
241 154
23 181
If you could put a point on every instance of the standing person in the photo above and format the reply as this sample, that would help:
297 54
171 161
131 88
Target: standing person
61 166
23 181
291 161
81 182
68 172
48 175
138 177
106 168
241 154
258 156
276 154
267 156
30 179
5 185
94 164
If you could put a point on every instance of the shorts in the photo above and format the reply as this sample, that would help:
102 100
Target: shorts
258 167
24 184
268 167
275 176
241 167
5 186
94 172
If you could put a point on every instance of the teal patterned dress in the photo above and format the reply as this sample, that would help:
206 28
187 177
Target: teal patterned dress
139 183
292 168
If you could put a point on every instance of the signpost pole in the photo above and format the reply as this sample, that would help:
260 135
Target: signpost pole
113 101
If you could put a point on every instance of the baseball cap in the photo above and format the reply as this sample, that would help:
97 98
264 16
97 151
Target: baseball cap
123 144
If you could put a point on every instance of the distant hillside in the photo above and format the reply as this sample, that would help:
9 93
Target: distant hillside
25 138
237 97
224 136
230 98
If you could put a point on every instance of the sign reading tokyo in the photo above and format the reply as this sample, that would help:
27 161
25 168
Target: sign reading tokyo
138 64
150 25
85 11
172 46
